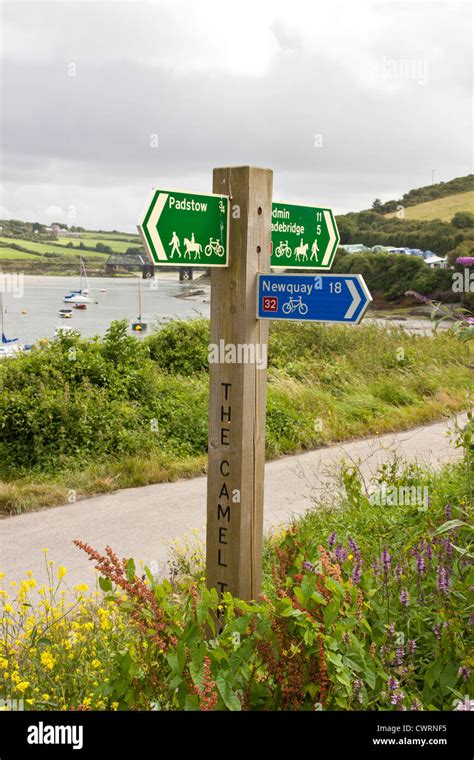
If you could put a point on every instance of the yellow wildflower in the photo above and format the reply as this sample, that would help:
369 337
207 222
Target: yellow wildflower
61 572
22 686
48 660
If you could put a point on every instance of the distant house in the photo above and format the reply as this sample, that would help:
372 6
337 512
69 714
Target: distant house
355 248
61 232
436 262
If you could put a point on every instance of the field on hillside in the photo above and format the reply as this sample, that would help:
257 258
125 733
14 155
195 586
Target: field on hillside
118 246
118 242
42 248
10 253
131 237
442 208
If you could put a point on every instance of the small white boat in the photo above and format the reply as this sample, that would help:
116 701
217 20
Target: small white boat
77 296
9 350
83 294
9 347
65 313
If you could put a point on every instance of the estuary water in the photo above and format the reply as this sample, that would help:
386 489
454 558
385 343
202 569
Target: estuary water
31 310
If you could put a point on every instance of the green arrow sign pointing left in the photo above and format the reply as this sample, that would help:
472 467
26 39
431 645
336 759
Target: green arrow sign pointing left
303 237
186 229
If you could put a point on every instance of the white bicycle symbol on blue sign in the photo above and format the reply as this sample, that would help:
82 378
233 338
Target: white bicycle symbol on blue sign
293 304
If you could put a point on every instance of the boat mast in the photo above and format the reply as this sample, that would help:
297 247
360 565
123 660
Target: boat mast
84 275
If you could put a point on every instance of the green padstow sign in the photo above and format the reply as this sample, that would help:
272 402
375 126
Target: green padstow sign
303 237
186 229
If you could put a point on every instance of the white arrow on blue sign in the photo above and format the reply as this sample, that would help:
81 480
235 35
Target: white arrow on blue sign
340 298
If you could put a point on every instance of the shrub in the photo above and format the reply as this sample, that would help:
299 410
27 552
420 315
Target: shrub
364 607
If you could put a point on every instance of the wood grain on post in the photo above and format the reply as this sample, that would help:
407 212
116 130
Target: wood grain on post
237 396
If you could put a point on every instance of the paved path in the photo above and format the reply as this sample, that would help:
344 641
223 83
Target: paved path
141 522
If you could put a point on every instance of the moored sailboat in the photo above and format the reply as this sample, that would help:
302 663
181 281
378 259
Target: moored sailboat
83 294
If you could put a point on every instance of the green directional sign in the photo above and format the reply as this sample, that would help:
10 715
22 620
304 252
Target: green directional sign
303 237
186 229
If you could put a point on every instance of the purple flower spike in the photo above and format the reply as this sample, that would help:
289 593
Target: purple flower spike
404 597
332 539
356 574
448 547
354 548
429 553
397 698
448 511
385 560
418 296
420 564
464 673
392 683
399 655
442 580
411 646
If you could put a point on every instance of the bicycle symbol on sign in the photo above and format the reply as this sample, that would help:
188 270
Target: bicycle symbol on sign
293 304
214 247
283 250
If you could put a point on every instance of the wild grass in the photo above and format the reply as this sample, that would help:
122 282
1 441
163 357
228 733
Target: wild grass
129 413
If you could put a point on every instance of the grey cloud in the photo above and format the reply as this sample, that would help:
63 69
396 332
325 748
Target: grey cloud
380 135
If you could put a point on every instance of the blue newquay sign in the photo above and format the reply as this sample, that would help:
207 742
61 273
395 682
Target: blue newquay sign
341 298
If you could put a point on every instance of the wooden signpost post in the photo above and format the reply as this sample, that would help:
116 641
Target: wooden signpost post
237 396
233 231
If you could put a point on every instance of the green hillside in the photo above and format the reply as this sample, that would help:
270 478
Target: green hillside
441 208
42 252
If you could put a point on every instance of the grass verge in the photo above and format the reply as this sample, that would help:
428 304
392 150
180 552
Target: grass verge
86 417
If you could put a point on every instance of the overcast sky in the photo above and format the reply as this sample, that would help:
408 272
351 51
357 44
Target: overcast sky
101 101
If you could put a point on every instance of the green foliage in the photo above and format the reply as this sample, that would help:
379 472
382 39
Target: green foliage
181 347
389 276
430 193
130 412
463 219
365 606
